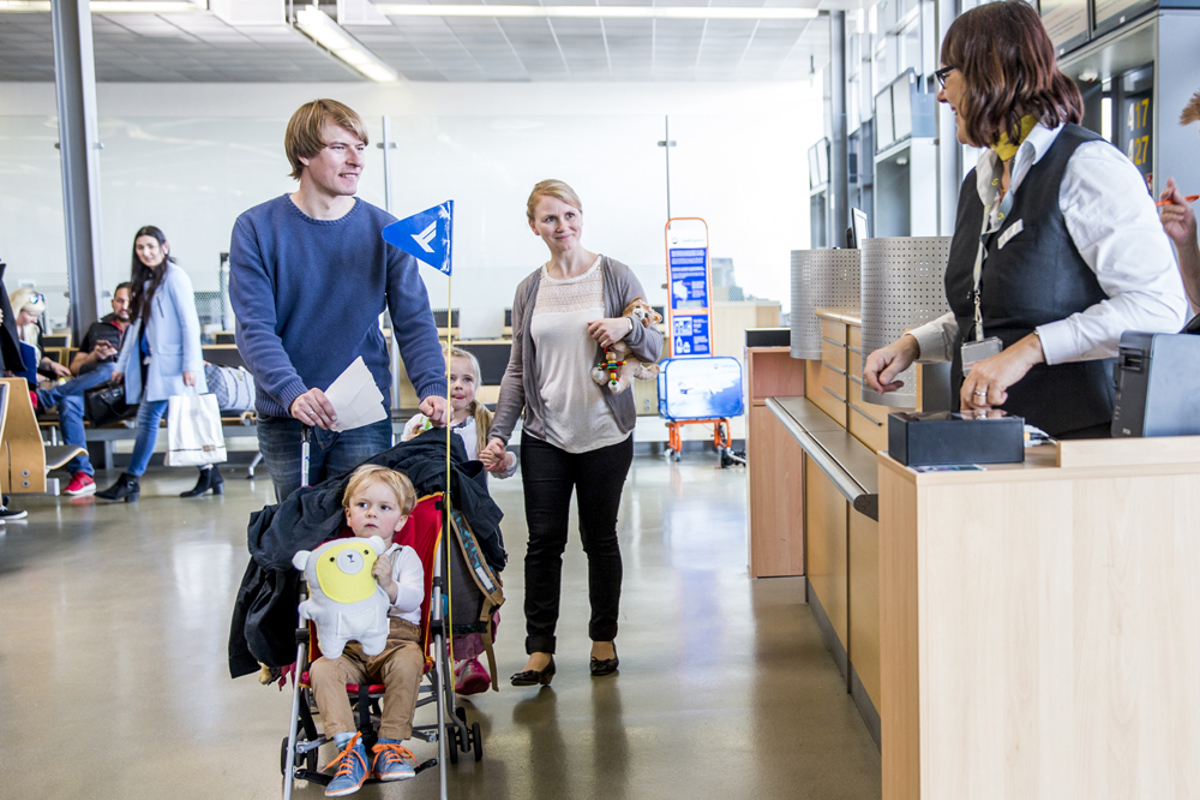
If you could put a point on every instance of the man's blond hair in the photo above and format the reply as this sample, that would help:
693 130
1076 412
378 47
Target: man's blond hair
398 482
303 136
1191 112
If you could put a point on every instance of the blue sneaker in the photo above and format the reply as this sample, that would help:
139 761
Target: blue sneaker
351 769
392 761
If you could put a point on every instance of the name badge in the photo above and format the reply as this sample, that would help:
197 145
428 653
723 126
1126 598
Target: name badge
1012 231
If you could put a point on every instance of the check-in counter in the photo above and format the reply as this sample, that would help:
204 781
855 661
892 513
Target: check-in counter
1041 625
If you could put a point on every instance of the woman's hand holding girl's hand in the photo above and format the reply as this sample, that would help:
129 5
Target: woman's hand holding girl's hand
382 571
189 378
609 331
494 456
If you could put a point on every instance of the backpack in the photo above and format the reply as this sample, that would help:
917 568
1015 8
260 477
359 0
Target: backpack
474 588
233 386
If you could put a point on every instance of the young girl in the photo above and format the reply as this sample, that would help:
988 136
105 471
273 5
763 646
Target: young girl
378 502
471 421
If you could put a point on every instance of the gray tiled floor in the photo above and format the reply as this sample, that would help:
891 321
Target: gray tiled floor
113 679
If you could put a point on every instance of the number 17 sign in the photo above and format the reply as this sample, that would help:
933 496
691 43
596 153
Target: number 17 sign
689 310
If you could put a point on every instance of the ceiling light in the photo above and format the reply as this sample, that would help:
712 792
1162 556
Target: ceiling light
334 38
112 6
596 12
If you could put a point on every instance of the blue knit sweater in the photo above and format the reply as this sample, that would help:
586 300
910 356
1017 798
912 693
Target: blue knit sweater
308 294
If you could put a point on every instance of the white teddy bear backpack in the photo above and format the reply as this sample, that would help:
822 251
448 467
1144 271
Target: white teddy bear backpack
345 602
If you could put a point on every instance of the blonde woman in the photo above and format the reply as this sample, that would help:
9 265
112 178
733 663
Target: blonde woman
29 305
577 436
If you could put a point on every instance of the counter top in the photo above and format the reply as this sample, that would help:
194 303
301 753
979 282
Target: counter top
848 463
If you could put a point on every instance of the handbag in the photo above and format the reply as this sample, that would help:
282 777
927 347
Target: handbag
233 386
194 435
105 404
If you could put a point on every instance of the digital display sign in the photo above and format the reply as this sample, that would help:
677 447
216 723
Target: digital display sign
1067 23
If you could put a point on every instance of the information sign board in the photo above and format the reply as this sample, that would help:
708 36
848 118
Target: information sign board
689 308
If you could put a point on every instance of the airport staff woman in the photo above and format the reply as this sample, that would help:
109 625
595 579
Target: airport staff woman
577 436
1072 253
160 355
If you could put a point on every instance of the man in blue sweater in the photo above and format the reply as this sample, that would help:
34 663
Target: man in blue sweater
309 277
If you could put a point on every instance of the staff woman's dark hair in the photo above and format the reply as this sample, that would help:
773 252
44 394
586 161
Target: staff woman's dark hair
1009 70
139 273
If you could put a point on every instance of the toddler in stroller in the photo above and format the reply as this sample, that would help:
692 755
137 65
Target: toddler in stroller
378 502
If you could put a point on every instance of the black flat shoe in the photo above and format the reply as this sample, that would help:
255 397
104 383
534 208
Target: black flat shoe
535 677
605 666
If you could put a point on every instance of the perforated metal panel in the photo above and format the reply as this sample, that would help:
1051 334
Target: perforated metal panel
902 287
820 279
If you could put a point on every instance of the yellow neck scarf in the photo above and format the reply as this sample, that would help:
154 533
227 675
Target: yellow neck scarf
1006 149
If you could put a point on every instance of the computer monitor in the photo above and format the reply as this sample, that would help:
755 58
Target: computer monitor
902 113
858 227
885 133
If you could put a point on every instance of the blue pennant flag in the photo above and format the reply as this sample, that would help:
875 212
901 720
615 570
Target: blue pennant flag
426 236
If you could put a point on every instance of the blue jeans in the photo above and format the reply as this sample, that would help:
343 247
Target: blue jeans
330 453
150 414
69 399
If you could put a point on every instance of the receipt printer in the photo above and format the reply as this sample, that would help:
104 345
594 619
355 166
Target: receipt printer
1158 384
947 438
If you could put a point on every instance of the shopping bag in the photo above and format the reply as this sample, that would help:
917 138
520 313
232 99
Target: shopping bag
194 435
105 404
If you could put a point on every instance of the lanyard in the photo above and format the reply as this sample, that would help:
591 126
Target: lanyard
981 255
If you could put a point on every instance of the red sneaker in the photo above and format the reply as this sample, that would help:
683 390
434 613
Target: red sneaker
81 484
473 678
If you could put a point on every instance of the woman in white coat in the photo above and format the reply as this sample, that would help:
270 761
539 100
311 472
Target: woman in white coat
160 355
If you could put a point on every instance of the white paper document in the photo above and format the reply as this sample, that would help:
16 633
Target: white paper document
355 397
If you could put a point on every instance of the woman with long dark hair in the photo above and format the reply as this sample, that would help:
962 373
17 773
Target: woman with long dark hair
160 355
1057 248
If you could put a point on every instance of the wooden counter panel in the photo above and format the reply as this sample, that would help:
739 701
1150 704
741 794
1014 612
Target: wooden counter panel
776 467
832 329
1059 637
825 516
833 354
899 680
772 372
867 421
864 601
826 389
855 339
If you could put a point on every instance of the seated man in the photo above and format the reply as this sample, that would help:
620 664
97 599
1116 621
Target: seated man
91 366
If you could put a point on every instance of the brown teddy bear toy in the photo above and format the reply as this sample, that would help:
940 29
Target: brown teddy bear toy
619 368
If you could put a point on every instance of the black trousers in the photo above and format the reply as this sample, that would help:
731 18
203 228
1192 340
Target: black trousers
549 476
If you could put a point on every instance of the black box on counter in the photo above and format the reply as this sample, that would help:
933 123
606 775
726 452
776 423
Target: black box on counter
946 438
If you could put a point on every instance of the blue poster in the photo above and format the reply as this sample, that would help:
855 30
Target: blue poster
689 278
689 335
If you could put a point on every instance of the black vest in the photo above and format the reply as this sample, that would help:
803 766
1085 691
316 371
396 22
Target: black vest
1036 278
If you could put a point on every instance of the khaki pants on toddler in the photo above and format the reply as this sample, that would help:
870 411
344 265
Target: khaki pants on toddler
399 668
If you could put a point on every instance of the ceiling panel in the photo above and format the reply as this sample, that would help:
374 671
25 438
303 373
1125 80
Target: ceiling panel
202 47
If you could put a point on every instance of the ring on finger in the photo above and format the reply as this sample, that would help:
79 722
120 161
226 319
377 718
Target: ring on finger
980 392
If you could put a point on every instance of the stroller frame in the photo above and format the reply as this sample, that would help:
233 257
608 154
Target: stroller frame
299 753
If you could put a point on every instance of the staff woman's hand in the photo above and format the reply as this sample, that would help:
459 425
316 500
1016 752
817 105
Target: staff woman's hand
189 378
987 384
886 363
610 330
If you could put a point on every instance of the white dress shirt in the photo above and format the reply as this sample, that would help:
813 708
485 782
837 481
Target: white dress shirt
1113 222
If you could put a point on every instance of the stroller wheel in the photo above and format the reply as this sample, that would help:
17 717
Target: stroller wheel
283 751
477 741
452 743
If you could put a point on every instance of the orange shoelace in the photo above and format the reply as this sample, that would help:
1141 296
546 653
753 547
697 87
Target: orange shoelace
343 762
395 750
